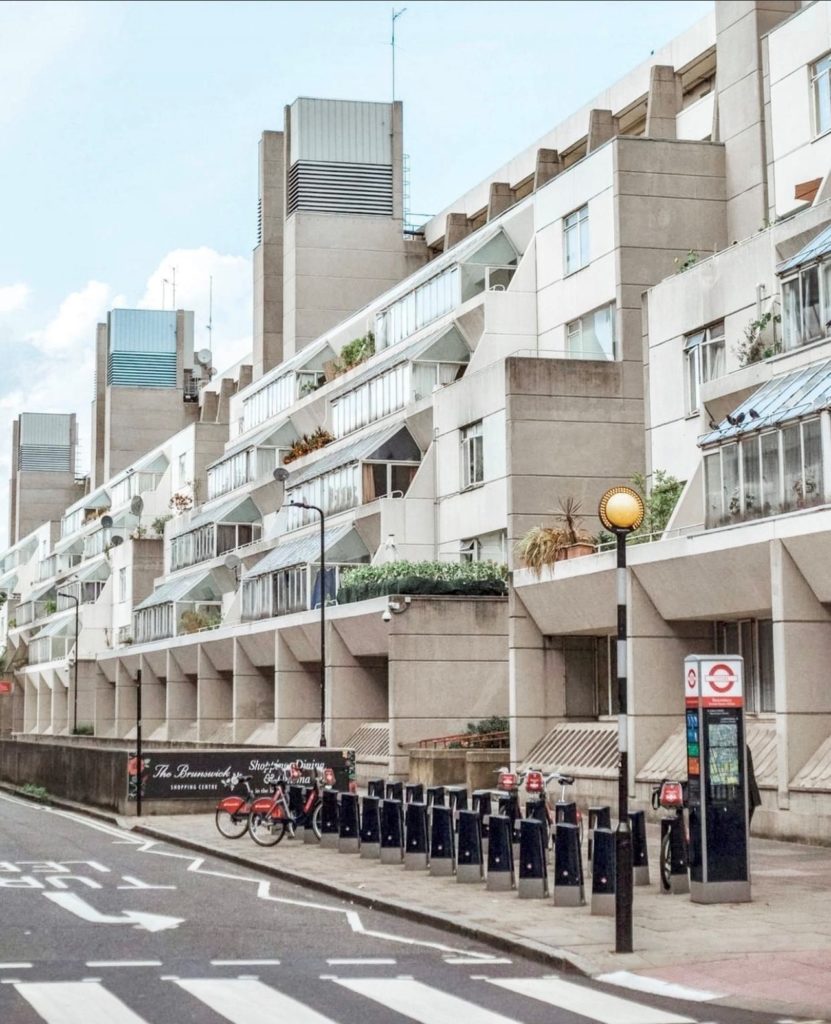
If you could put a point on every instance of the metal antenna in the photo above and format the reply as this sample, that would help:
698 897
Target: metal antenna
210 311
395 16
172 282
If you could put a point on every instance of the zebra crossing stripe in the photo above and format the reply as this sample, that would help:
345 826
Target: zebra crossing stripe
421 1002
245 1001
592 1003
76 1002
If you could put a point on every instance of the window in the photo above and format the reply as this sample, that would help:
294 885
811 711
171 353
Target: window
765 475
417 308
473 466
751 639
590 666
371 401
703 360
122 585
821 87
592 336
806 305
576 240
470 550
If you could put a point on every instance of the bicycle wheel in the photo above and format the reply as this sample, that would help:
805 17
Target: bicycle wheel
265 830
232 826
666 863
315 822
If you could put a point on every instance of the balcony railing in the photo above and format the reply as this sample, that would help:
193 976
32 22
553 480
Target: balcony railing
86 591
175 618
296 589
56 564
30 611
211 541
50 648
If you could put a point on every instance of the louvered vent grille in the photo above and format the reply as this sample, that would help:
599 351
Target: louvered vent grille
579 748
260 221
142 369
38 458
370 740
340 188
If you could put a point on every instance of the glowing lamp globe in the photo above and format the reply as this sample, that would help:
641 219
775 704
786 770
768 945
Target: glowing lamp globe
621 508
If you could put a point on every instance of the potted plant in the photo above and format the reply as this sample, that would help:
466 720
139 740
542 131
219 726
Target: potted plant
544 545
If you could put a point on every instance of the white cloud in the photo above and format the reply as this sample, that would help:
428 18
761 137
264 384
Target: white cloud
13 297
232 298
74 323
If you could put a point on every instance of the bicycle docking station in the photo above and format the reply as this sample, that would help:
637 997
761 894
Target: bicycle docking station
717 779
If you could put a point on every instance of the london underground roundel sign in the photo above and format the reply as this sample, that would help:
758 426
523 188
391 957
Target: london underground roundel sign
721 683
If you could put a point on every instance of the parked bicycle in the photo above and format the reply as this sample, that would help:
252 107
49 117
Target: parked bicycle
536 784
232 811
672 796
270 818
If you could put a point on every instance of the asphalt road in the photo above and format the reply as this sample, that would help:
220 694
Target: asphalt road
98 926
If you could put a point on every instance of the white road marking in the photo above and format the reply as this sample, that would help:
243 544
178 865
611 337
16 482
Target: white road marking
598 1006
10 981
124 963
476 959
420 1002
149 922
14 967
76 1002
136 883
657 986
367 961
249 1002
245 963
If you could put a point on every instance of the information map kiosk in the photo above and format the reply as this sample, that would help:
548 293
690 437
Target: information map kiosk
717 780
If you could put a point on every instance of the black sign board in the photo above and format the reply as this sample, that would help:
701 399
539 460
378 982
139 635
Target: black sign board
212 774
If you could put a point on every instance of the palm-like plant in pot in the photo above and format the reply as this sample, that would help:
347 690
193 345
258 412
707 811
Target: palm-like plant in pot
545 545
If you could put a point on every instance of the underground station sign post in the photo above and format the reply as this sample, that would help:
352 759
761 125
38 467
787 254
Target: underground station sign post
717 779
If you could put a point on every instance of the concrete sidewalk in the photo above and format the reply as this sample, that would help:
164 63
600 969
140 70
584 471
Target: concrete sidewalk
772 955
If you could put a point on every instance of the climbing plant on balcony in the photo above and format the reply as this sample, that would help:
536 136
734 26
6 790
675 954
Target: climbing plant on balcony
319 438
473 579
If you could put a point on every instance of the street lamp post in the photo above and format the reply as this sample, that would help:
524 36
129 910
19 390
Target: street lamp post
72 597
621 511
280 476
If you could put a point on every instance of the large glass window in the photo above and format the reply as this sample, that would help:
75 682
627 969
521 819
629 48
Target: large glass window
752 640
592 336
766 474
806 305
576 240
821 83
417 308
371 401
473 463
704 359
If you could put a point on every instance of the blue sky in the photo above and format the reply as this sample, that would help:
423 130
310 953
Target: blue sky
128 140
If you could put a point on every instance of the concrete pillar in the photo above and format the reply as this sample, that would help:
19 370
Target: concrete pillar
208 408
214 700
226 392
548 166
356 692
740 101
104 713
125 701
246 375
536 681
655 668
59 683
30 703
253 695
663 102
44 704
296 691
180 709
455 229
801 655
153 699
268 256
602 127
500 198
87 684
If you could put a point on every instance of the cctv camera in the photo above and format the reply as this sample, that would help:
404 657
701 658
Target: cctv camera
387 616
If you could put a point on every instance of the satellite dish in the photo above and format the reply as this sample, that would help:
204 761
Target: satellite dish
116 541
106 522
137 505
204 357
232 561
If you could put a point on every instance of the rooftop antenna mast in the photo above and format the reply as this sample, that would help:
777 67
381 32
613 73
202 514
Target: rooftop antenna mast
395 16
210 311
172 282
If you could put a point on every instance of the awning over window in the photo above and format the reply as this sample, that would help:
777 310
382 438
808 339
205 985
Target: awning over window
393 444
199 586
64 626
780 400
276 435
497 251
341 544
97 569
240 510
820 245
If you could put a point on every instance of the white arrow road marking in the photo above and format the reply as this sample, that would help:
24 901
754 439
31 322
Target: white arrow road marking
76 1002
149 922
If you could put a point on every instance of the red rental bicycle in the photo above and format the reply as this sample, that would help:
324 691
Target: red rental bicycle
232 811
270 818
